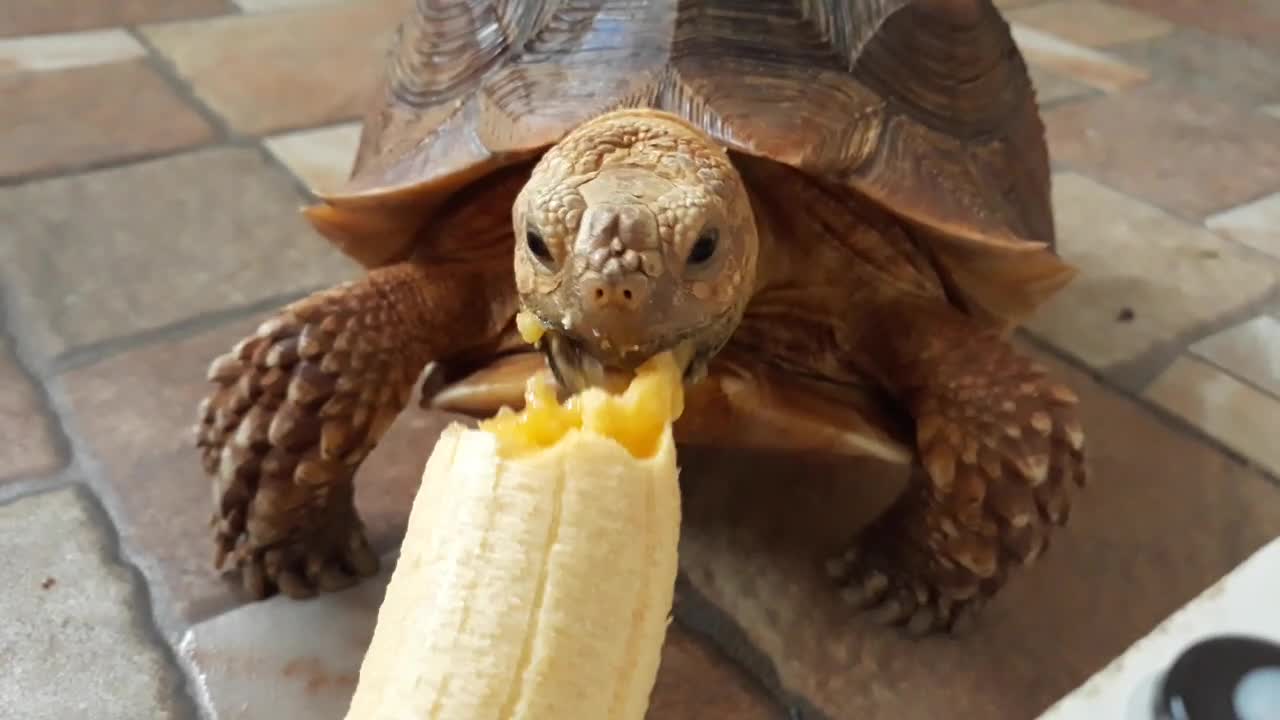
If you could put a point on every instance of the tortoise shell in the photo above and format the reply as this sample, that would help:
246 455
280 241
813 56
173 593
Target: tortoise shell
924 106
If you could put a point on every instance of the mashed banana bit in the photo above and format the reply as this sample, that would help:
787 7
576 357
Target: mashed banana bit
636 418
530 327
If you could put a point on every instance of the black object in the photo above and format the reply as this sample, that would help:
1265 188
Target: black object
1203 681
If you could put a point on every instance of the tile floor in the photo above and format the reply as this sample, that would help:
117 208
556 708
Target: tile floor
152 157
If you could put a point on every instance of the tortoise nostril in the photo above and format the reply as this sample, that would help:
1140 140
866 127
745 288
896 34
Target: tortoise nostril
629 292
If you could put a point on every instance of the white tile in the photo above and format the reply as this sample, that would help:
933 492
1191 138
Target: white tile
1242 602
1239 416
1086 65
1250 351
1171 276
322 157
68 50
71 641
1091 23
1256 224
281 658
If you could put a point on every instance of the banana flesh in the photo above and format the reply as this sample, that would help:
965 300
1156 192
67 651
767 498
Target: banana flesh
536 578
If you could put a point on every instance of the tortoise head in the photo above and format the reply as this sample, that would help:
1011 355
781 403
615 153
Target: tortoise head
635 235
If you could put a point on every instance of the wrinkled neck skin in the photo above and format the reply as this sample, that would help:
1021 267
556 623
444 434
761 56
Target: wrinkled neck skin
634 235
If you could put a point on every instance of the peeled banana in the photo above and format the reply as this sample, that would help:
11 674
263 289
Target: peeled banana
536 578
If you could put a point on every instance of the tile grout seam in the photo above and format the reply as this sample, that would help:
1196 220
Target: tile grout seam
92 353
1164 416
78 473
226 132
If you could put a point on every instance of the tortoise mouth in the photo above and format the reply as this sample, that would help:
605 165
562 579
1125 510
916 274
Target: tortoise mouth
576 368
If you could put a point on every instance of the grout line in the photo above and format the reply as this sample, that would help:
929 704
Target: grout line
727 638
222 126
81 471
15 490
1203 359
58 435
109 164
1169 419
92 353
1143 370
169 71
184 703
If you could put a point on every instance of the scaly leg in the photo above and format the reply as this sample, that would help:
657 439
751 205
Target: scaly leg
301 402
1002 450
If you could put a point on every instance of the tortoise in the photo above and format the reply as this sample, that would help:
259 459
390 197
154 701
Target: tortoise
836 213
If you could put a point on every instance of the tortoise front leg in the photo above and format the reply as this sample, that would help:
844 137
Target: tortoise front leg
300 403
1001 450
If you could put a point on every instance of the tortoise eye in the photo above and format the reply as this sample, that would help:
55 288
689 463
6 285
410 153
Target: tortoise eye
705 247
538 247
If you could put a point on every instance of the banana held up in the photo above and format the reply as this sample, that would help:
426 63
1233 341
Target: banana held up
537 575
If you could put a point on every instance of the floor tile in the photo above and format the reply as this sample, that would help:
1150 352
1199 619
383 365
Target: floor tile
1146 278
279 71
1250 351
218 229
63 120
254 6
29 447
313 662
1187 153
1082 64
135 411
1272 110
1053 87
69 50
1090 22
71 615
1256 224
1210 65
58 16
1256 22
753 545
320 158
1239 416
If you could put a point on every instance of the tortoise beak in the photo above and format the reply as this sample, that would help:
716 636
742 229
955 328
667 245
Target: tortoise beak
576 368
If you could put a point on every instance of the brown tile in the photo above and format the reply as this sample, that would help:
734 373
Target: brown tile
1239 416
1211 65
68 118
29 447
50 16
116 252
283 70
1256 22
1163 518
1187 153
1091 23
1147 279
135 411
1085 65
